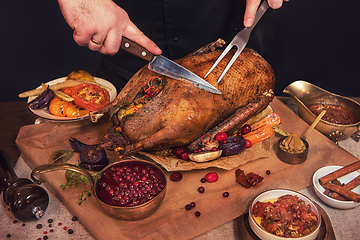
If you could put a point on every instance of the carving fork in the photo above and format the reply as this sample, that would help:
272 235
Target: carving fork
239 41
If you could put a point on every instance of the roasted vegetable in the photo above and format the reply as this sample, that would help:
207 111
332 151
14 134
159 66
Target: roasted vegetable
273 119
260 134
42 100
205 156
90 157
232 145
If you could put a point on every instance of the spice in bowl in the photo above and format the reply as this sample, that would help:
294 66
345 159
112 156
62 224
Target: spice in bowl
293 144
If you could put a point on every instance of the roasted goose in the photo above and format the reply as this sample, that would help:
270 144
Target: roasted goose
153 112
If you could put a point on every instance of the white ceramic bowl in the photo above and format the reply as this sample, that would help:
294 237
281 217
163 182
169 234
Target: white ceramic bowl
319 190
273 194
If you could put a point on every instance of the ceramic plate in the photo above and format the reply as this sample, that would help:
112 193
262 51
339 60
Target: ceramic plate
319 190
45 113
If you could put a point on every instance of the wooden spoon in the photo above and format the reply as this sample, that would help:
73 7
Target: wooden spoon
313 125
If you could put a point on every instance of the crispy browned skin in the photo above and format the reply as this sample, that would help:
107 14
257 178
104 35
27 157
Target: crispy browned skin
181 112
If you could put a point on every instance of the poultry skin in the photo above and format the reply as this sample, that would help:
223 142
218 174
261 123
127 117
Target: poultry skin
153 112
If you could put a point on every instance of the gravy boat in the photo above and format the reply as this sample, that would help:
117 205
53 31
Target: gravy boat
306 94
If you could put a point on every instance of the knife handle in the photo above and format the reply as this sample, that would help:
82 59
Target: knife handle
135 49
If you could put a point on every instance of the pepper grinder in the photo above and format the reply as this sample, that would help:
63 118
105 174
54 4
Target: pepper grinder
27 201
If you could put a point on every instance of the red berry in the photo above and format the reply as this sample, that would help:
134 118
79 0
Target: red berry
201 189
267 172
225 194
177 151
184 155
220 136
248 143
245 129
212 177
176 176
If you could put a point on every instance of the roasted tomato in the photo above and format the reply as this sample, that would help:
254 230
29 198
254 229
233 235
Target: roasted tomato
62 108
58 107
74 111
90 96
68 90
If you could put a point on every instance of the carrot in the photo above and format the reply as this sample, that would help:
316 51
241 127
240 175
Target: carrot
259 134
273 119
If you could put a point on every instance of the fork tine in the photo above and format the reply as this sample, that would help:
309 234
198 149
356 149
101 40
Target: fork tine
223 54
237 53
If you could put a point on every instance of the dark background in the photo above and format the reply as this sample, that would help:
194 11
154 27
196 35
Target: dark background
315 40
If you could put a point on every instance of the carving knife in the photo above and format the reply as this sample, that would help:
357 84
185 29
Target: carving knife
165 66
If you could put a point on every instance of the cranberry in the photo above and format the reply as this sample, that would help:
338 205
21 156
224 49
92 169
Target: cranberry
248 143
192 204
184 155
139 183
212 177
177 151
220 136
188 207
214 149
225 194
245 129
203 180
267 172
176 176
201 189
197 213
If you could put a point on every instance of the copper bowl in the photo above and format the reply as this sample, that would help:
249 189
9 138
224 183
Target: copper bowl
306 94
289 157
130 213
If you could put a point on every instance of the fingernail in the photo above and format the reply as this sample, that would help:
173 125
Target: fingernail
158 50
248 22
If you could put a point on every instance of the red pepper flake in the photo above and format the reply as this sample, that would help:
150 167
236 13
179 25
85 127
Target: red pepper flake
51 230
45 232
59 223
65 228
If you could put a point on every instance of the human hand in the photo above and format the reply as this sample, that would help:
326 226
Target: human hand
100 25
253 5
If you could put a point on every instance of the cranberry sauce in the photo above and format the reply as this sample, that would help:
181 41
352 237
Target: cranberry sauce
129 183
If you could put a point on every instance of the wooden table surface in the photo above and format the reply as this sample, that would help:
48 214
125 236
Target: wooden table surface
14 116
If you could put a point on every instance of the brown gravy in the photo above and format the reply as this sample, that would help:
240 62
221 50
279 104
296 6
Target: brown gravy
335 114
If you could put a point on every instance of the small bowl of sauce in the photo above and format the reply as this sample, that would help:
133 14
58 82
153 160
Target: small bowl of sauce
292 149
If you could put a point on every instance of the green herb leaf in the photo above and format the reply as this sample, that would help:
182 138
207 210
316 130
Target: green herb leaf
60 156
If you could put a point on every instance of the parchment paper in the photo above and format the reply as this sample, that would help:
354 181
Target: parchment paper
171 220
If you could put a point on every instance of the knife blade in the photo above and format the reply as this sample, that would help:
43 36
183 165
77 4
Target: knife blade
165 66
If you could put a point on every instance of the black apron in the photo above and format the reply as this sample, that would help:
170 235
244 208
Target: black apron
180 27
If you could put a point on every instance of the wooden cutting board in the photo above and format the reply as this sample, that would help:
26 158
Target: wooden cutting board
171 220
